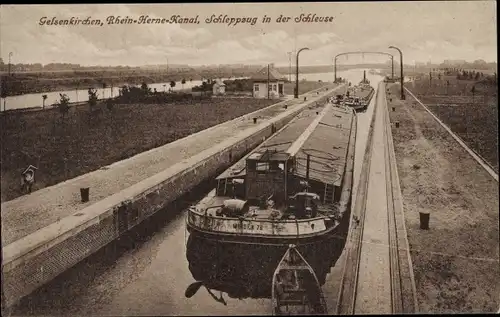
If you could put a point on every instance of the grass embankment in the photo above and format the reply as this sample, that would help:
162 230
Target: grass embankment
456 262
63 149
473 118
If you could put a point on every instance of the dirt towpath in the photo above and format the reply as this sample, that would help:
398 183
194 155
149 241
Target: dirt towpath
456 262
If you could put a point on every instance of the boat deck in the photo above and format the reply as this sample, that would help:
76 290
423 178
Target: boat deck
360 92
326 142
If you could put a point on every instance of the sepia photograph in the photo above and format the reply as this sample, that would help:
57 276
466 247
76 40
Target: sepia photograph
288 158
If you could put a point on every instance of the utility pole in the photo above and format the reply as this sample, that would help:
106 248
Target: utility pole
333 64
10 55
289 66
335 68
392 66
5 86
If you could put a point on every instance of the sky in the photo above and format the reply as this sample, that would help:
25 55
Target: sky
424 31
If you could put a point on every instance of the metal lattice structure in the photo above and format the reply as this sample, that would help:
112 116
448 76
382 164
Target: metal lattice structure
361 52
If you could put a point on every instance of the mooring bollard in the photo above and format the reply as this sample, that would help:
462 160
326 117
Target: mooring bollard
397 124
84 193
390 99
286 106
305 98
317 92
254 120
317 112
393 108
424 220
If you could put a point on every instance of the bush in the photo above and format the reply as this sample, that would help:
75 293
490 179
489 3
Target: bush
110 104
63 104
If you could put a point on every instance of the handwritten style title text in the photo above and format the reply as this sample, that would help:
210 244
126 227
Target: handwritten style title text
178 19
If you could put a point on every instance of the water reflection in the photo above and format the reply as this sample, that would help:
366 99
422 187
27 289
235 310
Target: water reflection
245 271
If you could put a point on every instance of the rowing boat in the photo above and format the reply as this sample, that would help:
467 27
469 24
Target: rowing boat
296 290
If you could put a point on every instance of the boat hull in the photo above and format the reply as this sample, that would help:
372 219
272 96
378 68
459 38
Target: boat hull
296 289
229 257
251 263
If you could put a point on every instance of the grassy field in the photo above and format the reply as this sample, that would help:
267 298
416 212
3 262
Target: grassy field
63 149
456 262
472 118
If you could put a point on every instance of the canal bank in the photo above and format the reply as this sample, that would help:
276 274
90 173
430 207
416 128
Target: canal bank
38 257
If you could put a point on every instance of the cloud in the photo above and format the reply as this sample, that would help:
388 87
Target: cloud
420 30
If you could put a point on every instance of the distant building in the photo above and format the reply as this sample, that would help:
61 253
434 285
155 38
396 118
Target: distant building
219 88
276 83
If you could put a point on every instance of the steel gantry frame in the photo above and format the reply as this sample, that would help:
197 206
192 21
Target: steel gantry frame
361 52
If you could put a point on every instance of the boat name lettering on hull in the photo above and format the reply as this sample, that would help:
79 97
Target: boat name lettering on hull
248 226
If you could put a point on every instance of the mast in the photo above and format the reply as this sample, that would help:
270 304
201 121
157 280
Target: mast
307 167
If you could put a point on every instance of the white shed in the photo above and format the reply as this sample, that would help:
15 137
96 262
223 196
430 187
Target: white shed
268 79
219 88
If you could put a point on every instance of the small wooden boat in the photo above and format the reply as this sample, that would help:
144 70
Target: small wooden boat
296 290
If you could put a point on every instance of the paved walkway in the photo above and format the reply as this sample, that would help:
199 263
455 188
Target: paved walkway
373 293
378 275
26 214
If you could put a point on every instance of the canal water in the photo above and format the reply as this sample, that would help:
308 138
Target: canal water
81 95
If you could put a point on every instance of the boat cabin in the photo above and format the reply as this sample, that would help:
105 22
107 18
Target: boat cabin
272 182
262 175
267 176
296 181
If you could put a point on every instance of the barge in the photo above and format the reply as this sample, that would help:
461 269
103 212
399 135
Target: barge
359 96
295 188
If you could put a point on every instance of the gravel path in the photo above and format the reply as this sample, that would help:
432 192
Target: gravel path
29 213
456 262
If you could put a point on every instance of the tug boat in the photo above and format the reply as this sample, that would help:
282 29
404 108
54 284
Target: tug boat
364 82
294 188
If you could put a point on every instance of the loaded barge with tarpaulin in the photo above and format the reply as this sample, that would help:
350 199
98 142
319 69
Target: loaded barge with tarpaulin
359 96
294 188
